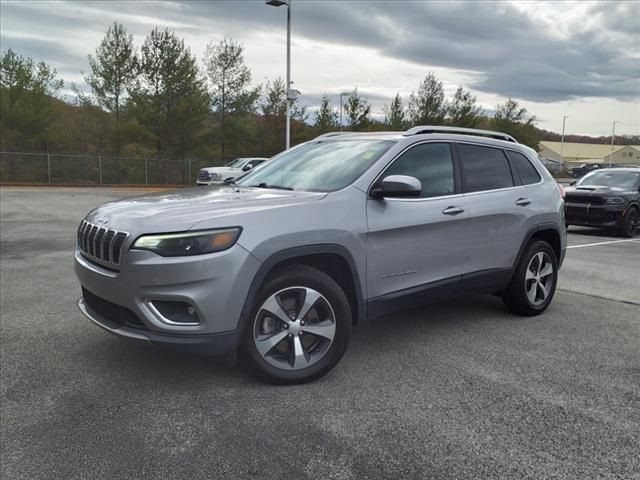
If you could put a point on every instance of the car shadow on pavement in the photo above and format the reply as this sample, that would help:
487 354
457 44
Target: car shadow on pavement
146 366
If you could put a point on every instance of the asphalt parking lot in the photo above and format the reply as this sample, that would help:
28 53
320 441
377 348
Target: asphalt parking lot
461 389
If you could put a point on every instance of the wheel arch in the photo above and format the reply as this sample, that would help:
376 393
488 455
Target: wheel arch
548 232
332 259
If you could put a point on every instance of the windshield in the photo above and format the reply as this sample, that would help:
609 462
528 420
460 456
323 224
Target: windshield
610 179
235 163
318 166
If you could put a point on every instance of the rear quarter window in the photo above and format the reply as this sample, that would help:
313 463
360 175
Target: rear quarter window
523 168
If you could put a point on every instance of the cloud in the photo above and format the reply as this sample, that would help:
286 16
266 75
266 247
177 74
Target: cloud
505 51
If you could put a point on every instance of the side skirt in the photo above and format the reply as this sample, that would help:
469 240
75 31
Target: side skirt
486 281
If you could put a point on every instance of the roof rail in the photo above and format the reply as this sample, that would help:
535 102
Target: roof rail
331 134
462 131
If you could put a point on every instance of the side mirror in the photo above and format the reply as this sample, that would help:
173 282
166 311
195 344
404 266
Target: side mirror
247 167
573 182
397 186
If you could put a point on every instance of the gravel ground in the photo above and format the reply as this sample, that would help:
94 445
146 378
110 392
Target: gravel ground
460 389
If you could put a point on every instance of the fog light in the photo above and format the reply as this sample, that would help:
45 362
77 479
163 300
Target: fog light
174 312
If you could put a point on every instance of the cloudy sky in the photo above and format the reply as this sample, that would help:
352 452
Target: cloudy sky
580 59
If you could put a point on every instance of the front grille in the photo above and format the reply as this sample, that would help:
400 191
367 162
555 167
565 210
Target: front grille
203 175
121 316
578 198
101 243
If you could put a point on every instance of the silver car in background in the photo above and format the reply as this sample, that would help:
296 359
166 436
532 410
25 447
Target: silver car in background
281 264
236 168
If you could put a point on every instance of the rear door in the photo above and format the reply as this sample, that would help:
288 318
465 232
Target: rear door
415 244
497 209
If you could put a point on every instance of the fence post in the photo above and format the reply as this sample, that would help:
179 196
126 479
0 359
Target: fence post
100 167
146 173
49 167
189 171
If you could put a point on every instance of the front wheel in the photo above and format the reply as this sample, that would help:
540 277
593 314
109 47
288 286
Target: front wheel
629 223
534 282
300 326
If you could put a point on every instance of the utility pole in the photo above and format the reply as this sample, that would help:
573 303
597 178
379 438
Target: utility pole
613 137
564 119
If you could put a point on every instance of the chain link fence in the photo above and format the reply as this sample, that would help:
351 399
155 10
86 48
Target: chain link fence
54 169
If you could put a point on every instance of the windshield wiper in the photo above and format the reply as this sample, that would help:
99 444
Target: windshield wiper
277 187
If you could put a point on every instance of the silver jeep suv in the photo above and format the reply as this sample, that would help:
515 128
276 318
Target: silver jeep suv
280 265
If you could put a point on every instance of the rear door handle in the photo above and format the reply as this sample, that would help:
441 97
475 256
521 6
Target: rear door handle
523 202
453 210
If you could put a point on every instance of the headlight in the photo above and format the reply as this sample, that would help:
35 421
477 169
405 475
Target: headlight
188 243
614 200
215 176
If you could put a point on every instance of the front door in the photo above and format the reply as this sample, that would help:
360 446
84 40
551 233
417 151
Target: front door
415 245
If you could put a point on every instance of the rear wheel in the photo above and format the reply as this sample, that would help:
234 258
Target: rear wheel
300 327
534 281
629 223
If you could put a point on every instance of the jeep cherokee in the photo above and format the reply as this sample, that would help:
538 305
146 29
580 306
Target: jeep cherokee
280 265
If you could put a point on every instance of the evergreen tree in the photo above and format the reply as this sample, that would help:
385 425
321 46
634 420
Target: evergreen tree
395 116
25 101
231 91
513 119
427 107
463 110
169 96
326 117
113 71
358 111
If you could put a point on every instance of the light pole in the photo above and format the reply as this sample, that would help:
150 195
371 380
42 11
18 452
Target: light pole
342 94
564 119
289 92
613 136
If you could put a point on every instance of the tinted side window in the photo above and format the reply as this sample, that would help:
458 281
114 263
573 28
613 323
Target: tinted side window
484 168
527 172
432 164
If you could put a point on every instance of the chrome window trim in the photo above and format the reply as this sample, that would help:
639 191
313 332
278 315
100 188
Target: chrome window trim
450 142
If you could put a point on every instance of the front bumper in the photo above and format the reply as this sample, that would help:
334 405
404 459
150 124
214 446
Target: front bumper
212 344
591 215
209 182
215 285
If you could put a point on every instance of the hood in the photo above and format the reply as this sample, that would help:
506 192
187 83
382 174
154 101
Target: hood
181 209
220 169
596 190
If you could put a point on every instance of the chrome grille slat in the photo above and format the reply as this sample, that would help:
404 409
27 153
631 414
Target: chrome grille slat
101 243
91 238
98 242
106 246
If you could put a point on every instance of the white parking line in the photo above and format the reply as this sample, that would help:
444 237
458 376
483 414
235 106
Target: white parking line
603 243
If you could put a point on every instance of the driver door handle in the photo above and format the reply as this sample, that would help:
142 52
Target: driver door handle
523 202
453 210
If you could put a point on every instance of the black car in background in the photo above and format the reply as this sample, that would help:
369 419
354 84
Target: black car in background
583 169
608 197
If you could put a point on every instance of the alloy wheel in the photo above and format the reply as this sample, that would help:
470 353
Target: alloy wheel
539 278
294 328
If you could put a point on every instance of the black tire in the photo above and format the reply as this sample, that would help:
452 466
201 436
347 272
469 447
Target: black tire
291 277
629 223
515 296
